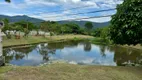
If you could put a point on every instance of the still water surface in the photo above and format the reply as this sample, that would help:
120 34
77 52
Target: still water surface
83 53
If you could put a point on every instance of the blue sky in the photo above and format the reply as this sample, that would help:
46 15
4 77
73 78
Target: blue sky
41 8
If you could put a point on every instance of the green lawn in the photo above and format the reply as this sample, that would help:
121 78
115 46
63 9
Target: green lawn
63 71
38 39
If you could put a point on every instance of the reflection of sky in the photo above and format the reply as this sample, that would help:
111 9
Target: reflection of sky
70 54
33 58
78 55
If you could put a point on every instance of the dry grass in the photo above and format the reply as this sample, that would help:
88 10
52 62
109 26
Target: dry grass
138 46
61 71
38 39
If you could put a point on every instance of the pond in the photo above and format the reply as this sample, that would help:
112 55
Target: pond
83 53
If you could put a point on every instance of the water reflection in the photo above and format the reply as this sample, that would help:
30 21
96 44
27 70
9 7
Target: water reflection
127 56
87 46
44 51
73 52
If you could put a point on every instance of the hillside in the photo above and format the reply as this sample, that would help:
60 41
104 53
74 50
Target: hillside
20 18
38 21
82 23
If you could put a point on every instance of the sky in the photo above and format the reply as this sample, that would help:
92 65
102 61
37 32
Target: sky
45 9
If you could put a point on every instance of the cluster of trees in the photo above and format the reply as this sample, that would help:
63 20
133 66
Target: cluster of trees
69 28
51 27
126 24
21 26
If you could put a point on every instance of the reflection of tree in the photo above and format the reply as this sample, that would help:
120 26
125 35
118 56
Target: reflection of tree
25 50
8 55
127 56
87 46
61 45
44 51
102 49
19 55
16 53
51 48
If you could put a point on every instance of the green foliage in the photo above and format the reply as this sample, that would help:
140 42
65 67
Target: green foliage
8 35
24 24
126 24
8 1
74 28
89 25
104 33
6 27
25 27
50 26
65 29
96 32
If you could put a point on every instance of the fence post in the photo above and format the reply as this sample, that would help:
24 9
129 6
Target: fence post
2 58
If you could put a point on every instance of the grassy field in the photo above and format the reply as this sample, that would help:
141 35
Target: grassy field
62 71
38 39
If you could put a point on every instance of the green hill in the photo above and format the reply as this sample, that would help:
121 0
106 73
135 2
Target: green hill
82 23
38 21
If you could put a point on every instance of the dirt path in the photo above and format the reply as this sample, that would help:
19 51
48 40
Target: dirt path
74 72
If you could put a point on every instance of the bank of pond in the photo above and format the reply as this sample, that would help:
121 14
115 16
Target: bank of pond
73 52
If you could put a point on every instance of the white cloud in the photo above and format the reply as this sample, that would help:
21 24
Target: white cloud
43 5
40 2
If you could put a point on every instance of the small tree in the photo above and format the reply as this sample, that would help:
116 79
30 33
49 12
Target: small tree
74 28
26 27
6 28
89 25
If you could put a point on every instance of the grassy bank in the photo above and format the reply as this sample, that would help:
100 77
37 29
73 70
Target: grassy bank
38 39
62 71
101 41
138 46
98 40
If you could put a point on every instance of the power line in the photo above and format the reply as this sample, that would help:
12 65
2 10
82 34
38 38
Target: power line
88 17
96 16
67 9
83 13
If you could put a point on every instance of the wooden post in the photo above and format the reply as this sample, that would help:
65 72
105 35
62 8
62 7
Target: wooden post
2 58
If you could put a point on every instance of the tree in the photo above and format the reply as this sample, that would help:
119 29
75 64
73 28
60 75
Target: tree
6 28
89 25
87 46
105 33
126 24
26 27
74 28
8 1
65 29
50 26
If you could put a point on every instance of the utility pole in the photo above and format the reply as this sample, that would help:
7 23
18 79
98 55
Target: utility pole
2 58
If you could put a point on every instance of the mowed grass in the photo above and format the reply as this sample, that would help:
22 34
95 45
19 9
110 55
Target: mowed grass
38 39
3 70
62 71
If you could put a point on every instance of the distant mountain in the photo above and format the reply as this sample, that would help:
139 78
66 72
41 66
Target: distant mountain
82 23
38 21
20 18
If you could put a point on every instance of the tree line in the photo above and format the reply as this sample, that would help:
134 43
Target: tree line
52 27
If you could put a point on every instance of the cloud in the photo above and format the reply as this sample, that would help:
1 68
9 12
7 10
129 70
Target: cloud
40 2
39 8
